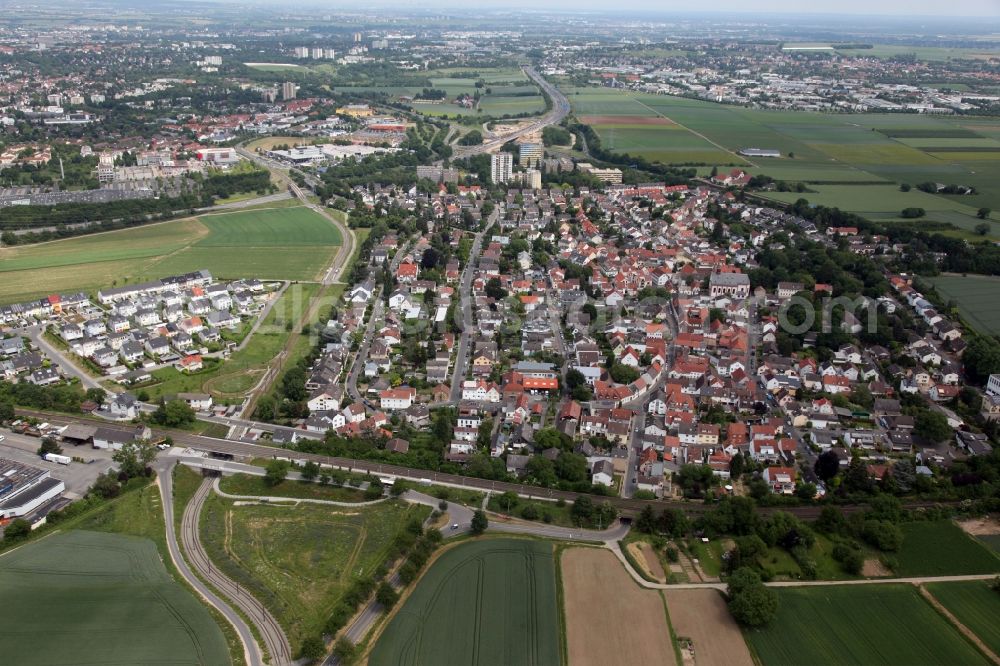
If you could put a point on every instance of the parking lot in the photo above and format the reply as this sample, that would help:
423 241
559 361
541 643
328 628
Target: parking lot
78 477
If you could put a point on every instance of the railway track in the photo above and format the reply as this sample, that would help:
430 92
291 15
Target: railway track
267 627
627 507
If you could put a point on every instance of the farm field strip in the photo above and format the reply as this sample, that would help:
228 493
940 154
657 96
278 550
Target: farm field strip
973 604
486 602
976 296
91 597
871 624
938 548
702 617
609 618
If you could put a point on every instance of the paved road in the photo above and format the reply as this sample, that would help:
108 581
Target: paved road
560 109
358 364
246 203
164 480
468 325
68 366
375 319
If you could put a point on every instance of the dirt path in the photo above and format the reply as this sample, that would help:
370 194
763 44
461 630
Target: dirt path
968 633
687 566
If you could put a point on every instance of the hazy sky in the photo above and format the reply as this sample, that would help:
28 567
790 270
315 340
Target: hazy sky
891 7
898 7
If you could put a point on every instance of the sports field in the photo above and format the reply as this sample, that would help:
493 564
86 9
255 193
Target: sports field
976 296
975 605
487 602
862 624
299 560
939 548
280 243
82 597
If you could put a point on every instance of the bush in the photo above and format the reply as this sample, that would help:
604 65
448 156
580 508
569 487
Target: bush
18 529
313 648
671 554
276 472
529 512
882 535
750 603
851 560
338 618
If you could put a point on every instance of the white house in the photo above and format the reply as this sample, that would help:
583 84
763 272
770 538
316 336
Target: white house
603 472
397 398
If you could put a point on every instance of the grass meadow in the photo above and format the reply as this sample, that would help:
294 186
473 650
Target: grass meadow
285 243
299 560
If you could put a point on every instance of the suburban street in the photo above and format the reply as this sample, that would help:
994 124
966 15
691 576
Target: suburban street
374 319
68 367
361 357
464 347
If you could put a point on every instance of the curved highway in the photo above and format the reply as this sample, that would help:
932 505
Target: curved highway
560 109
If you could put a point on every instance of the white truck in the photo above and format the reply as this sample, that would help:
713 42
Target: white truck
56 458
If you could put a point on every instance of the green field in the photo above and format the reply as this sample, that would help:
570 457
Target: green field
975 605
510 92
299 560
886 202
864 624
991 540
940 548
86 597
976 296
923 52
870 148
279 244
485 602
244 484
